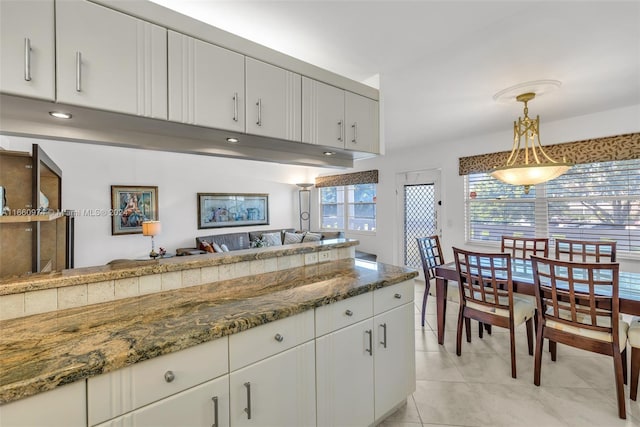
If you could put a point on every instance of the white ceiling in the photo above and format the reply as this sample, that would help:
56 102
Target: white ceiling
439 63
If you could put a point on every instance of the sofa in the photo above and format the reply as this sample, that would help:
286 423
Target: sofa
250 239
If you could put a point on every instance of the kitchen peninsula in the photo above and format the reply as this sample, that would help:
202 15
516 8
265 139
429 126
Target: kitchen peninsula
262 346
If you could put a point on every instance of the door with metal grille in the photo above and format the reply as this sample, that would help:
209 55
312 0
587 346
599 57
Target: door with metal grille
420 206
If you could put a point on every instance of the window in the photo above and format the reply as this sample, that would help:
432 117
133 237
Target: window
350 207
595 201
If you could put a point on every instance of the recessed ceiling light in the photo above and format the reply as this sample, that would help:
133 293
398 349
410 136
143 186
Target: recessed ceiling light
329 153
233 140
60 114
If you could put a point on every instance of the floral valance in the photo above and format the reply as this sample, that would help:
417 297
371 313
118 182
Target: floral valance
619 147
365 177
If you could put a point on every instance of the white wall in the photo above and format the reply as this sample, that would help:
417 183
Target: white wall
444 155
89 170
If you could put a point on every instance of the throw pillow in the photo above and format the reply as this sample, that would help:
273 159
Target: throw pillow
217 248
205 246
311 237
292 238
272 239
224 248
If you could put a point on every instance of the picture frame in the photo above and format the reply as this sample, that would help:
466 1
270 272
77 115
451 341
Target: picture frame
130 206
217 210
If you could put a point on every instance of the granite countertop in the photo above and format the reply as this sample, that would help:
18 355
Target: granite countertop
44 351
76 276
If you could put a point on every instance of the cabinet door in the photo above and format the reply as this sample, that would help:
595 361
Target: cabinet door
64 406
274 101
361 118
344 372
110 61
395 364
197 407
322 114
206 84
277 391
27 48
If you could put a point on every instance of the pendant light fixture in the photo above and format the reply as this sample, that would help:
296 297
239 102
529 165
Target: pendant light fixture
528 164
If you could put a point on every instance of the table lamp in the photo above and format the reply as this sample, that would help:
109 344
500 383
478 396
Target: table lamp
152 228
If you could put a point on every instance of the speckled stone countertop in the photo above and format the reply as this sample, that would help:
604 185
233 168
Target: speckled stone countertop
44 351
77 276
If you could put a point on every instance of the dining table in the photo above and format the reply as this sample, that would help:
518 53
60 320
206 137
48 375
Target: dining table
523 282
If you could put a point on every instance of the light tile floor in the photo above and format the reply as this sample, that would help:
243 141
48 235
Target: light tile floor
476 389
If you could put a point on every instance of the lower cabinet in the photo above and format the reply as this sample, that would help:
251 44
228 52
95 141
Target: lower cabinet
203 405
277 391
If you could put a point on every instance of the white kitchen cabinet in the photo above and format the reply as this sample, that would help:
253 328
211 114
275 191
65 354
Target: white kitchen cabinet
63 406
344 373
111 61
273 101
362 123
27 48
276 391
394 361
206 84
322 114
205 405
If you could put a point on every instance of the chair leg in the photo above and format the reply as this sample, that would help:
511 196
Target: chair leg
467 327
459 332
512 339
635 372
487 328
424 298
537 364
624 365
617 367
480 329
530 335
553 349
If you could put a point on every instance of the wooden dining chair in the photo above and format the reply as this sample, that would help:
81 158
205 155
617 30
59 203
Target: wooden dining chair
585 251
579 306
431 256
524 247
486 291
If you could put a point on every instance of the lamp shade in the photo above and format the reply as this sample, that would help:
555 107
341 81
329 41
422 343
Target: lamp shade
151 228
530 174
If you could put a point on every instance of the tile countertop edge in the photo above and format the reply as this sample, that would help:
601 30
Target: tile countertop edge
85 275
78 365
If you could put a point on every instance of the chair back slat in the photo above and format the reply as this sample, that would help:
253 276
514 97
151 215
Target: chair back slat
485 279
583 295
524 247
585 251
430 254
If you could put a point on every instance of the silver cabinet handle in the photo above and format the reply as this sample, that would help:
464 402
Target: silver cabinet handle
340 130
279 338
259 104
397 296
384 335
248 408
27 59
215 411
355 132
235 106
169 376
349 313
370 349
78 72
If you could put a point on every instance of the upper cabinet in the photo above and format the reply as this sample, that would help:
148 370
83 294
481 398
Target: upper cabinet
274 102
206 84
362 126
110 61
27 48
337 118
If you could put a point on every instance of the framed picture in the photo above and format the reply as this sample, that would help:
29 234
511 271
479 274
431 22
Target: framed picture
232 210
131 205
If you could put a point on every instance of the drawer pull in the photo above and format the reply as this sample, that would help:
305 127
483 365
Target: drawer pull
27 59
78 72
259 105
279 337
349 313
169 376
384 335
248 408
397 296
215 411
235 106
370 349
